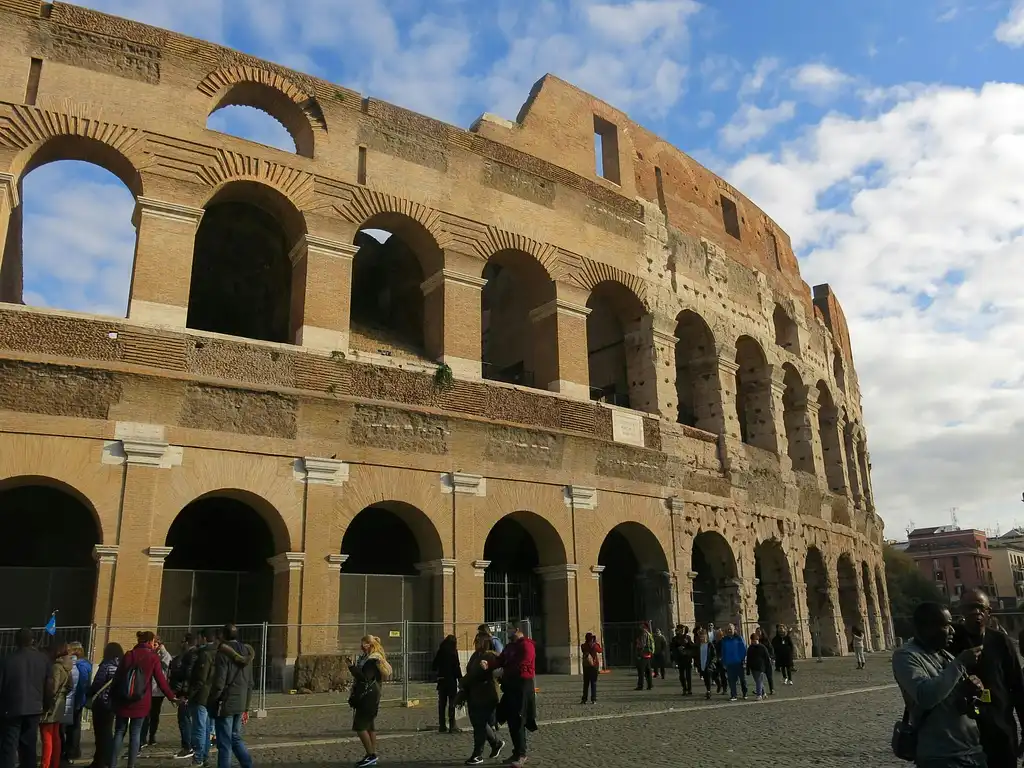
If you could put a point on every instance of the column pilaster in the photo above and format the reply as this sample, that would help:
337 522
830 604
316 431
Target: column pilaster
562 632
651 359
451 316
10 240
321 292
562 363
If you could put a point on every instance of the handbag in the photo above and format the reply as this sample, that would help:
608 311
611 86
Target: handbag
90 700
904 736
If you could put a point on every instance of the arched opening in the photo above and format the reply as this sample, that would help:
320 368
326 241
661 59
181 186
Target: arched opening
252 124
820 609
850 439
635 587
46 555
70 241
849 597
510 346
274 106
865 476
390 313
776 596
206 583
241 271
794 408
786 335
831 447
753 395
615 313
883 604
874 617
838 371
716 597
696 363
518 551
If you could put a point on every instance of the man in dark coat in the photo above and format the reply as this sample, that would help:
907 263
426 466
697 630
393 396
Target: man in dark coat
230 697
25 693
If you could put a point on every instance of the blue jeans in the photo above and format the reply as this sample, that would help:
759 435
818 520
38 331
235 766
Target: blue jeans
201 726
185 727
229 740
134 729
735 674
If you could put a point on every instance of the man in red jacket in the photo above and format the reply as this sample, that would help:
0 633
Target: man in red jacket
144 661
518 706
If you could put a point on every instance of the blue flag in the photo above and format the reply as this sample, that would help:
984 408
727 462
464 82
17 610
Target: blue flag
51 625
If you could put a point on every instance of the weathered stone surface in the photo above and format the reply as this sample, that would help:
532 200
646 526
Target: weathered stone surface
219 409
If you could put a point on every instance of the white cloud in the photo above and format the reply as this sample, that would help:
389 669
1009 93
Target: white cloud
925 250
756 79
718 72
751 123
819 79
1011 29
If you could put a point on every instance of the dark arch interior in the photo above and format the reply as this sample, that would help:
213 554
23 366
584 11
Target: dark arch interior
516 284
209 582
513 590
693 348
776 600
379 542
612 311
751 385
849 595
241 274
46 557
387 298
712 560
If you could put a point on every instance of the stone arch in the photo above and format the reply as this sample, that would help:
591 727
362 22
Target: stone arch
849 597
716 595
495 240
46 555
776 593
831 442
787 336
413 539
592 273
613 326
635 587
241 281
270 92
799 445
754 395
696 367
874 617
418 224
512 347
821 611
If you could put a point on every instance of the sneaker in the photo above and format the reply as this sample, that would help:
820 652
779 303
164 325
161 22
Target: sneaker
442 729
496 751
474 760
454 729
519 763
733 699
707 695
366 761
744 697
184 752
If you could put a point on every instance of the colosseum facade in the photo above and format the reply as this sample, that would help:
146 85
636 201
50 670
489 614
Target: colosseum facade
413 373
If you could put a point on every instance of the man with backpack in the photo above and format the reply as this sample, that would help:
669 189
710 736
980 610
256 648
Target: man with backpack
131 693
230 697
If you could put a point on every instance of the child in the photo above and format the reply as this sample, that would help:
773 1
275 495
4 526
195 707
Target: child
758 662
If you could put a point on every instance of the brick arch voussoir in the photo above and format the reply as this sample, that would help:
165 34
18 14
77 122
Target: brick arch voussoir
367 202
495 239
591 273
218 81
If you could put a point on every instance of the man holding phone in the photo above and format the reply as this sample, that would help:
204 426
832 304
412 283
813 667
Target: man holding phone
999 670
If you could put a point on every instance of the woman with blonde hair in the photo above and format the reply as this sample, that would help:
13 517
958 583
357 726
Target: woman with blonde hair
368 671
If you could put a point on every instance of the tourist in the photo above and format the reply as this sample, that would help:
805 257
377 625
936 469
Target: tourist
369 671
102 711
759 661
782 645
940 693
518 705
152 721
660 660
62 692
496 644
449 671
644 654
590 653
180 669
706 660
132 695
721 682
734 653
26 691
999 670
858 647
72 735
480 694
769 672
682 657
230 697
67 721
197 693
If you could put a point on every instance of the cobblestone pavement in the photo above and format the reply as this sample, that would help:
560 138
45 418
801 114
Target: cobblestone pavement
834 716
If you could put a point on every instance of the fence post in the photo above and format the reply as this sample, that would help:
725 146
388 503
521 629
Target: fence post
262 711
405 662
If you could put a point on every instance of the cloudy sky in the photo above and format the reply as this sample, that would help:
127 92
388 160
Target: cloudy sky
886 137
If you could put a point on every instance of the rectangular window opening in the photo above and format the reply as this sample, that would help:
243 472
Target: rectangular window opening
35 69
730 217
606 150
361 170
661 190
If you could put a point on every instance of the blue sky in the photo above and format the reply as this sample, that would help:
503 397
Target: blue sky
887 138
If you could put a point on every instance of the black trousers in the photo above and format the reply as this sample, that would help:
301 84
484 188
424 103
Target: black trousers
644 674
686 677
771 678
152 721
590 683
482 720
18 741
103 732
787 671
447 690
709 677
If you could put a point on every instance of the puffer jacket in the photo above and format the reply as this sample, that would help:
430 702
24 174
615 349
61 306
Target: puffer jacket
62 688
232 679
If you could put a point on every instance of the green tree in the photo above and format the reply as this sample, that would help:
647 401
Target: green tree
907 585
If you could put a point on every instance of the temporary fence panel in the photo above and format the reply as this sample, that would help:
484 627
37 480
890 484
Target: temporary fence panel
204 598
618 639
41 639
28 595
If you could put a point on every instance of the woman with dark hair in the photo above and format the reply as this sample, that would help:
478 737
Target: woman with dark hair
480 695
132 695
62 686
99 696
449 672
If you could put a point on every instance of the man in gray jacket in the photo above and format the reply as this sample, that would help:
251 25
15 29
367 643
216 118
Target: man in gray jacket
230 697
939 691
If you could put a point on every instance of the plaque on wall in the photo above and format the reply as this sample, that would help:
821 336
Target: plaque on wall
628 428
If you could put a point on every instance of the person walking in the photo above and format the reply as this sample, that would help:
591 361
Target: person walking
782 645
858 647
496 645
759 661
72 739
720 670
230 697
518 705
765 641
102 710
734 653
197 693
26 691
62 691
644 654
152 721
660 660
448 669
706 659
480 695
369 670
590 653
132 695
682 656
180 670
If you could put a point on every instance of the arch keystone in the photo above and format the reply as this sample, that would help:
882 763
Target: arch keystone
366 202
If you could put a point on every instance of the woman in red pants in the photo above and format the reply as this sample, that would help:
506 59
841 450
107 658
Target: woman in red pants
49 723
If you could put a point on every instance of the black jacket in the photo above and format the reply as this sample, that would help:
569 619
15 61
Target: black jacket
447 665
758 658
232 678
25 687
682 650
999 669
783 647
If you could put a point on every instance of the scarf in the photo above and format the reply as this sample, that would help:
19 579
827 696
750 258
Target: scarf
382 663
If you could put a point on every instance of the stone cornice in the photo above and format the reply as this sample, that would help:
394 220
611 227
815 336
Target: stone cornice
446 276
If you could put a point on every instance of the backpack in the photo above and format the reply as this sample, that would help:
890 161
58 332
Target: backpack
130 684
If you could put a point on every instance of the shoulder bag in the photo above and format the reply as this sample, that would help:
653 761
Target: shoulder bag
904 736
